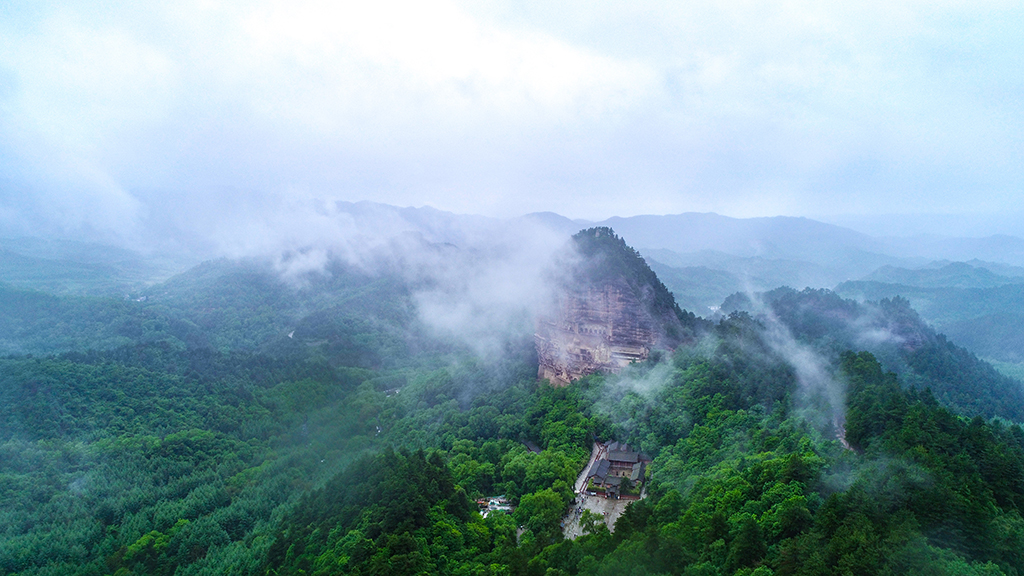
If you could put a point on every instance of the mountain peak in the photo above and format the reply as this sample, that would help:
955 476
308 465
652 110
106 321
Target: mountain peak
611 310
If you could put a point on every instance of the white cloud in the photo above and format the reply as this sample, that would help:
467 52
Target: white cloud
387 68
585 108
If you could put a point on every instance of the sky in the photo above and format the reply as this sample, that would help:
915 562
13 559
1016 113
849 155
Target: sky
868 113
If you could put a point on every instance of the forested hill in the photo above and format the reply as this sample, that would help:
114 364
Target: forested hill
223 305
987 320
156 461
250 424
605 258
951 275
896 334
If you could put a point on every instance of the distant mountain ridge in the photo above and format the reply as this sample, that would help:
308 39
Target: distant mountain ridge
787 237
701 257
1000 248
774 238
986 320
764 252
954 275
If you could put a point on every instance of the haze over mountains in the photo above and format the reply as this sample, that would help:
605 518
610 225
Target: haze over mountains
835 253
970 288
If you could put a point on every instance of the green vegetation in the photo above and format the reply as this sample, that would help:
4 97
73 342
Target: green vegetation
894 332
986 320
698 288
224 306
607 259
67 267
262 428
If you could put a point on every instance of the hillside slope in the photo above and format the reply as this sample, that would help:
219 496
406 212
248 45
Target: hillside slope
898 336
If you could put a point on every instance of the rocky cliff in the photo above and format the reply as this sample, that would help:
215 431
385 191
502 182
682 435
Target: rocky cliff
611 310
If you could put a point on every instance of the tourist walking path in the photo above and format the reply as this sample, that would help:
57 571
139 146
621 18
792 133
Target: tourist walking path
595 453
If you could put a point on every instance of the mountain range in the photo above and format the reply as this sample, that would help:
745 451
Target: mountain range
337 408
966 287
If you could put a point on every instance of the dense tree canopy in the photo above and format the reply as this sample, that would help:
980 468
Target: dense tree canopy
352 447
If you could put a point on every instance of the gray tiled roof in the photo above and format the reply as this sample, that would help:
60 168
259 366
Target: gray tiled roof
638 472
624 456
599 470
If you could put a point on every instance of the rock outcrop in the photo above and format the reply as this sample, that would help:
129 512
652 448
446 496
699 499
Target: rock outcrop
611 310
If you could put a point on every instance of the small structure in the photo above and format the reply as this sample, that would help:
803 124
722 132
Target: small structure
622 458
493 504
612 486
599 471
617 464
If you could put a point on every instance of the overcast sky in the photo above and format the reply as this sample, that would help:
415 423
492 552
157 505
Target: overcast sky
110 111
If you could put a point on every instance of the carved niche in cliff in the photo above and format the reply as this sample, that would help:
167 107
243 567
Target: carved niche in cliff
594 328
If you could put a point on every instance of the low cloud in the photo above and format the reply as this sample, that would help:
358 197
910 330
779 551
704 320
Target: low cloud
479 281
487 294
821 395
647 382
820 392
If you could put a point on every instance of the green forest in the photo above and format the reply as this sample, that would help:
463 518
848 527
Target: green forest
228 422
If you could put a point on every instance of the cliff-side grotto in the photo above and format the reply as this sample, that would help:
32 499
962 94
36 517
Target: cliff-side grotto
610 310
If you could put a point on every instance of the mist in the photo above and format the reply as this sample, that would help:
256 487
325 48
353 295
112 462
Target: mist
479 281
820 393
290 134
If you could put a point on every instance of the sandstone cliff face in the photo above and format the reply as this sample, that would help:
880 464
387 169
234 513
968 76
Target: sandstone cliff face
611 310
598 328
